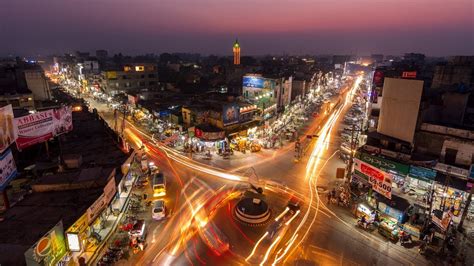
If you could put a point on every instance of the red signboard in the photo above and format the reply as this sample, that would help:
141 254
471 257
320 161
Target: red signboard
372 172
380 180
409 74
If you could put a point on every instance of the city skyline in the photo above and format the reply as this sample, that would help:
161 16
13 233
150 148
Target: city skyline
210 27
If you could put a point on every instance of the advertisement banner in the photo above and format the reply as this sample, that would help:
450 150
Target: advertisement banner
378 78
253 82
384 164
8 131
7 169
41 126
209 136
442 222
422 173
96 208
230 114
62 120
381 181
49 250
110 189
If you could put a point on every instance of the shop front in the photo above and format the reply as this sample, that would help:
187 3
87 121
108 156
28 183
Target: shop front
450 194
88 234
396 170
208 138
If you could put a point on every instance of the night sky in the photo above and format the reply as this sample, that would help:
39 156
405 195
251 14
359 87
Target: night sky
433 27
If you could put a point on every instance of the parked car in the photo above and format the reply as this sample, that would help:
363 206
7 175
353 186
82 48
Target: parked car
158 211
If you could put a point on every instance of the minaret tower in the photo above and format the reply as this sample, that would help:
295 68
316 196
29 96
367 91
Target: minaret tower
236 50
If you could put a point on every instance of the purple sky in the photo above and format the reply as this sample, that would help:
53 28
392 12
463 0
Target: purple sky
433 27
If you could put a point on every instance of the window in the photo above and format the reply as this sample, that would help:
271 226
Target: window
152 83
151 76
142 76
124 77
141 83
450 156
139 68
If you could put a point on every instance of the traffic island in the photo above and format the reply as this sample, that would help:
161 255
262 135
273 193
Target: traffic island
252 211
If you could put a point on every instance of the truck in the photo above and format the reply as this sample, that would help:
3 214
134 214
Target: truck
159 185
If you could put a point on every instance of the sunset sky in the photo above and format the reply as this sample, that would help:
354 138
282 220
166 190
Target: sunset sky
434 27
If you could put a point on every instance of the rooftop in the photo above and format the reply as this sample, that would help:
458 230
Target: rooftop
38 212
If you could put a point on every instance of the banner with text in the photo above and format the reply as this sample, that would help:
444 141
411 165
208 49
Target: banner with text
7 169
41 126
380 180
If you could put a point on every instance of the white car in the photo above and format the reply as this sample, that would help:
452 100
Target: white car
159 210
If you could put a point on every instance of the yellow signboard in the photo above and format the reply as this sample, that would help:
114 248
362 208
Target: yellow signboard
111 74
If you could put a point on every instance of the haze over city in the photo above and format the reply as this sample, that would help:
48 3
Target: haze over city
433 27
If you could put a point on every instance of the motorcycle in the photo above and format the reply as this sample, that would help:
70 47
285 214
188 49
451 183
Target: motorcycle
365 224
405 238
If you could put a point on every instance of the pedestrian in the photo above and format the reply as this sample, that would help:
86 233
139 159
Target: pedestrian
329 198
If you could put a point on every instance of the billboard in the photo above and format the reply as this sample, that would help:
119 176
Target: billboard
253 82
41 126
230 114
399 108
8 131
378 78
380 180
209 136
49 250
7 168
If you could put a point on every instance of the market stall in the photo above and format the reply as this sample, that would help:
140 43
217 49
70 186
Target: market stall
388 228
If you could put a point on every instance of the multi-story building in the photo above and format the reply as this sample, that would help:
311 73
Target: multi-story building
420 157
37 83
458 73
14 89
131 77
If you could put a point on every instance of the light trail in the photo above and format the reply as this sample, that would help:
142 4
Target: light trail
288 246
292 218
314 160
282 214
256 245
269 250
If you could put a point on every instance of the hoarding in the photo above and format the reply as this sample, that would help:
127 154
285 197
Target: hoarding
209 136
8 131
96 208
422 173
380 180
110 189
230 114
400 106
384 164
378 78
49 250
253 82
7 169
41 126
